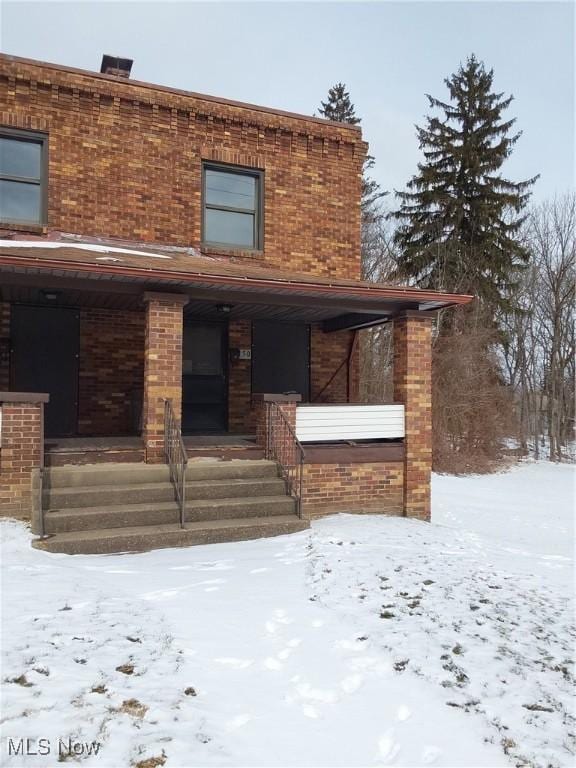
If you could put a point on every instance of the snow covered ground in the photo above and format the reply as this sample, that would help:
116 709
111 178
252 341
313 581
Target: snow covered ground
365 641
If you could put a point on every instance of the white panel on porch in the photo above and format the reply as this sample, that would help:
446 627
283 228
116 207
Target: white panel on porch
315 423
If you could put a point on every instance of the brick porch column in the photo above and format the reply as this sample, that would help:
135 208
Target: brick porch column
287 405
21 453
413 388
162 367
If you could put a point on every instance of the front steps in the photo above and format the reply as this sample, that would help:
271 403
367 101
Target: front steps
110 508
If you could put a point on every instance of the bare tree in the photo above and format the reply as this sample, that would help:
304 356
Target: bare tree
539 344
378 264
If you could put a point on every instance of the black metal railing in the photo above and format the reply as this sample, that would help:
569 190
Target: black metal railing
176 457
283 447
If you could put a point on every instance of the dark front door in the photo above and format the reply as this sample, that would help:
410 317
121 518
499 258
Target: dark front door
204 378
281 358
44 358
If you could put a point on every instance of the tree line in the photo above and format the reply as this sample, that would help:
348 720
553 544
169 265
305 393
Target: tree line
503 366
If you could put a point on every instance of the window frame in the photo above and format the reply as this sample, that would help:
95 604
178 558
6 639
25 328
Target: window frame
34 137
258 174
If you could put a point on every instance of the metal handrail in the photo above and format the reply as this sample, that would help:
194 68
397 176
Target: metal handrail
283 447
40 489
176 457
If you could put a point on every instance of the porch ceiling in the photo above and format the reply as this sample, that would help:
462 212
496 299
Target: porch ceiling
90 274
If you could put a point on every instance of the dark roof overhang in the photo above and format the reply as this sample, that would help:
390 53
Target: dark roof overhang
339 304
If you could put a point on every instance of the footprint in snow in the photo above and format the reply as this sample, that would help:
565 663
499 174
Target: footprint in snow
352 683
306 691
238 722
229 661
388 747
430 755
403 713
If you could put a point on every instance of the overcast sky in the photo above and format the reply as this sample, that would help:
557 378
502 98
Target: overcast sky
286 55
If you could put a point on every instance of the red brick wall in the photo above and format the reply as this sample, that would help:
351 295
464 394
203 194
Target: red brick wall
367 487
330 379
111 368
19 457
241 418
413 387
126 159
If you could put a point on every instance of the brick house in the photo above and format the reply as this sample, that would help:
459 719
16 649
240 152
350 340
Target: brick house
172 260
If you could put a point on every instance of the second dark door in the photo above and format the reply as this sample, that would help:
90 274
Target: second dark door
44 358
204 378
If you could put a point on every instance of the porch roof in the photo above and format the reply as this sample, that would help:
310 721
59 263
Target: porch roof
125 270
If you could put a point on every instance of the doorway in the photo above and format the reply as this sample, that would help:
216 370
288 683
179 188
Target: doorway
44 358
281 358
205 378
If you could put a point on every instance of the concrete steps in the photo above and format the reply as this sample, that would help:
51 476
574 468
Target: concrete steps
145 538
94 518
119 474
63 498
131 507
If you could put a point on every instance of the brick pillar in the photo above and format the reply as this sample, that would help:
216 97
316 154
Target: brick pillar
162 367
287 404
21 452
413 388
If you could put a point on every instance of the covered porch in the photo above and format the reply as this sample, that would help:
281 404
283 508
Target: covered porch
110 333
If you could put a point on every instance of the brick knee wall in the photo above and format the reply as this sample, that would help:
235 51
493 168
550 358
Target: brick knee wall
366 487
20 457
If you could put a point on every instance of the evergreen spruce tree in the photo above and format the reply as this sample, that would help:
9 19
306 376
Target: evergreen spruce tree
339 108
460 219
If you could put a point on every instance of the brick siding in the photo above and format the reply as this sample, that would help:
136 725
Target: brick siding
331 381
111 375
366 487
413 387
241 418
162 367
126 162
20 456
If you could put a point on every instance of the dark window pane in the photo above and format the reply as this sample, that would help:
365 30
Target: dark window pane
19 202
233 190
229 227
20 158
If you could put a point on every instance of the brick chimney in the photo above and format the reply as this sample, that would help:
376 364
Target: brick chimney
115 65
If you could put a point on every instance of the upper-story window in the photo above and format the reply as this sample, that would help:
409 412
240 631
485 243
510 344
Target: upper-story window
232 206
23 172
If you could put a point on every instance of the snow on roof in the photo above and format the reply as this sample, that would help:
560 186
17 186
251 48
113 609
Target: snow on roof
44 244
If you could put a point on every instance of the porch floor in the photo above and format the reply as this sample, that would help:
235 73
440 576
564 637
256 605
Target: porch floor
106 449
66 444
